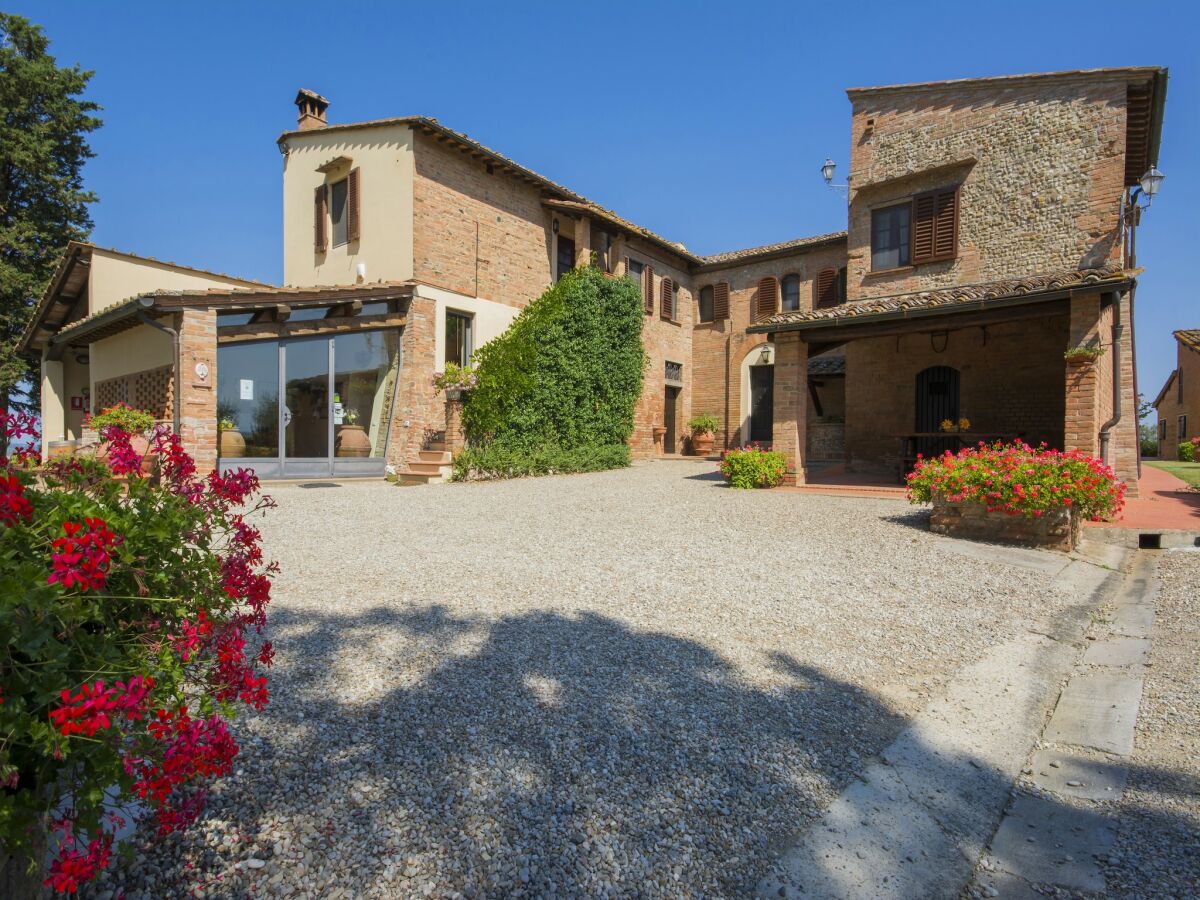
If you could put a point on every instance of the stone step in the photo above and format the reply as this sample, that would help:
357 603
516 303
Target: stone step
438 457
427 468
408 478
439 446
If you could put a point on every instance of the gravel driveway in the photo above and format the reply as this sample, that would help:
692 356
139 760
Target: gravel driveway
634 683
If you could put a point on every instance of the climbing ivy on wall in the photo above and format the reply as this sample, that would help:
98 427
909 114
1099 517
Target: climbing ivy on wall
562 381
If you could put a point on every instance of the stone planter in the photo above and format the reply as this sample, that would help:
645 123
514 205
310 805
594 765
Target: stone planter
231 444
352 441
1057 529
702 443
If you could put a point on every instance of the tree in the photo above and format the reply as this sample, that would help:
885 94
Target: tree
43 148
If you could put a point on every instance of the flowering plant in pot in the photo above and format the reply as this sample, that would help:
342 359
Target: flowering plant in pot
121 417
454 380
1083 355
134 629
703 427
352 438
753 467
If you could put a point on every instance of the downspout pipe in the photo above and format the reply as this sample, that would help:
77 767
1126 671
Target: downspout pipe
1118 334
178 375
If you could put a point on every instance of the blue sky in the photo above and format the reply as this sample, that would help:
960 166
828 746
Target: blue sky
706 122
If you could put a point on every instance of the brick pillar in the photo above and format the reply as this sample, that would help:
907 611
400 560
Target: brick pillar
198 405
791 393
1082 426
1123 438
455 440
583 242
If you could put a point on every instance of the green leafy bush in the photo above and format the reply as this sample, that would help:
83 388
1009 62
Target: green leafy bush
703 424
498 462
1187 451
753 467
1019 480
124 417
561 384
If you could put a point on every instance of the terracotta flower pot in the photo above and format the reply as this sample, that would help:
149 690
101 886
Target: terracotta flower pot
141 446
702 443
231 444
352 440
660 433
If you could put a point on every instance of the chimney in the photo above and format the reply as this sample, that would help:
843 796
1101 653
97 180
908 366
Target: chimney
312 108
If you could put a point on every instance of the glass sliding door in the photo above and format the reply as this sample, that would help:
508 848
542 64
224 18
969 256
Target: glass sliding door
366 364
336 411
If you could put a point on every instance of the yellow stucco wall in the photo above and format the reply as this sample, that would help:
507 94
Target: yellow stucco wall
114 277
384 158
130 351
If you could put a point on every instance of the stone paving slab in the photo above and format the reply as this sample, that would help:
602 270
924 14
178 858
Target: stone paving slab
1133 619
1122 651
1097 711
1045 841
1073 775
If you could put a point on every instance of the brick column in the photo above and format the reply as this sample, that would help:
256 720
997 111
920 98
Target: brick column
791 393
1123 438
455 439
198 405
1082 426
583 242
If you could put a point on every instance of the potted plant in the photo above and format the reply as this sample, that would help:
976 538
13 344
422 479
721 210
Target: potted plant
703 427
1082 356
455 380
135 423
352 438
950 426
230 442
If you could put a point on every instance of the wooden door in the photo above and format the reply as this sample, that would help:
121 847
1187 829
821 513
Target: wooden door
762 403
669 414
936 401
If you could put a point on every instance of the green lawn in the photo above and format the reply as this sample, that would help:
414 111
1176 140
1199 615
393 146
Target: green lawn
1189 472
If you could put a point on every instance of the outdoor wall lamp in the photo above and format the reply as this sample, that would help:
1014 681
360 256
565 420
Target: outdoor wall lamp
1148 186
764 358
827 170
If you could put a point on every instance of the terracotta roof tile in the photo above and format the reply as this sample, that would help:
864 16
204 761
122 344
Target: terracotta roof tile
1189 337
972 293
768 249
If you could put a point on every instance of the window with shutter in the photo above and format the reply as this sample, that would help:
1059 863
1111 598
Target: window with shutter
825 289
353 205
648 291
768 297
935 226
705 305
720 301
666 306
320 215
790 293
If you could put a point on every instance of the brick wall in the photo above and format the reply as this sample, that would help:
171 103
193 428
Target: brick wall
419 409
1010 381
1041 165
477 234
718 348
1171 408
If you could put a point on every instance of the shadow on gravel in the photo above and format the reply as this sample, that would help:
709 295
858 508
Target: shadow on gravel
560 756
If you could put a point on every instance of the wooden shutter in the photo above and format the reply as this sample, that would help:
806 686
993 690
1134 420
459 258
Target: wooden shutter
768 296
320 217
648 290
935 226
720 301
666 306
353 206
825 289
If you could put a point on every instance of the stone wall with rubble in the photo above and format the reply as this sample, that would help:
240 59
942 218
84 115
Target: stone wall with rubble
1056 530
1041 168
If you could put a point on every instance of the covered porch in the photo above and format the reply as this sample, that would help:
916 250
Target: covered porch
936 370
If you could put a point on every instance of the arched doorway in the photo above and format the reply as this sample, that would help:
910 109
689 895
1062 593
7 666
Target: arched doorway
936 401
758 394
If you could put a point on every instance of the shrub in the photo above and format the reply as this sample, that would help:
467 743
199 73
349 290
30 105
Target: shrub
703 424
124 417
481 463
1019 480
1187 450
565 376
753 467
128 608
454 376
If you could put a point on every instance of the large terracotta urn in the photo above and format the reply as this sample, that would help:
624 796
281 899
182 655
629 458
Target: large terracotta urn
352 440
702 443
231 444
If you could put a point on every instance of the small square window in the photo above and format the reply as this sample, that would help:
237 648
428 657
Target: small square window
337 212
890 237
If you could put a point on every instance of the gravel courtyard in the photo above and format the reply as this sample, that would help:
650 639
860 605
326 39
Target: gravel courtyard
635 683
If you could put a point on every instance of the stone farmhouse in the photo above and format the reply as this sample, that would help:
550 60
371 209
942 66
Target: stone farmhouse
1178 403
990 229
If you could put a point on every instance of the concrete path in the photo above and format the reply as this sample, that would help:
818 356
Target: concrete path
1055 834
923 814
